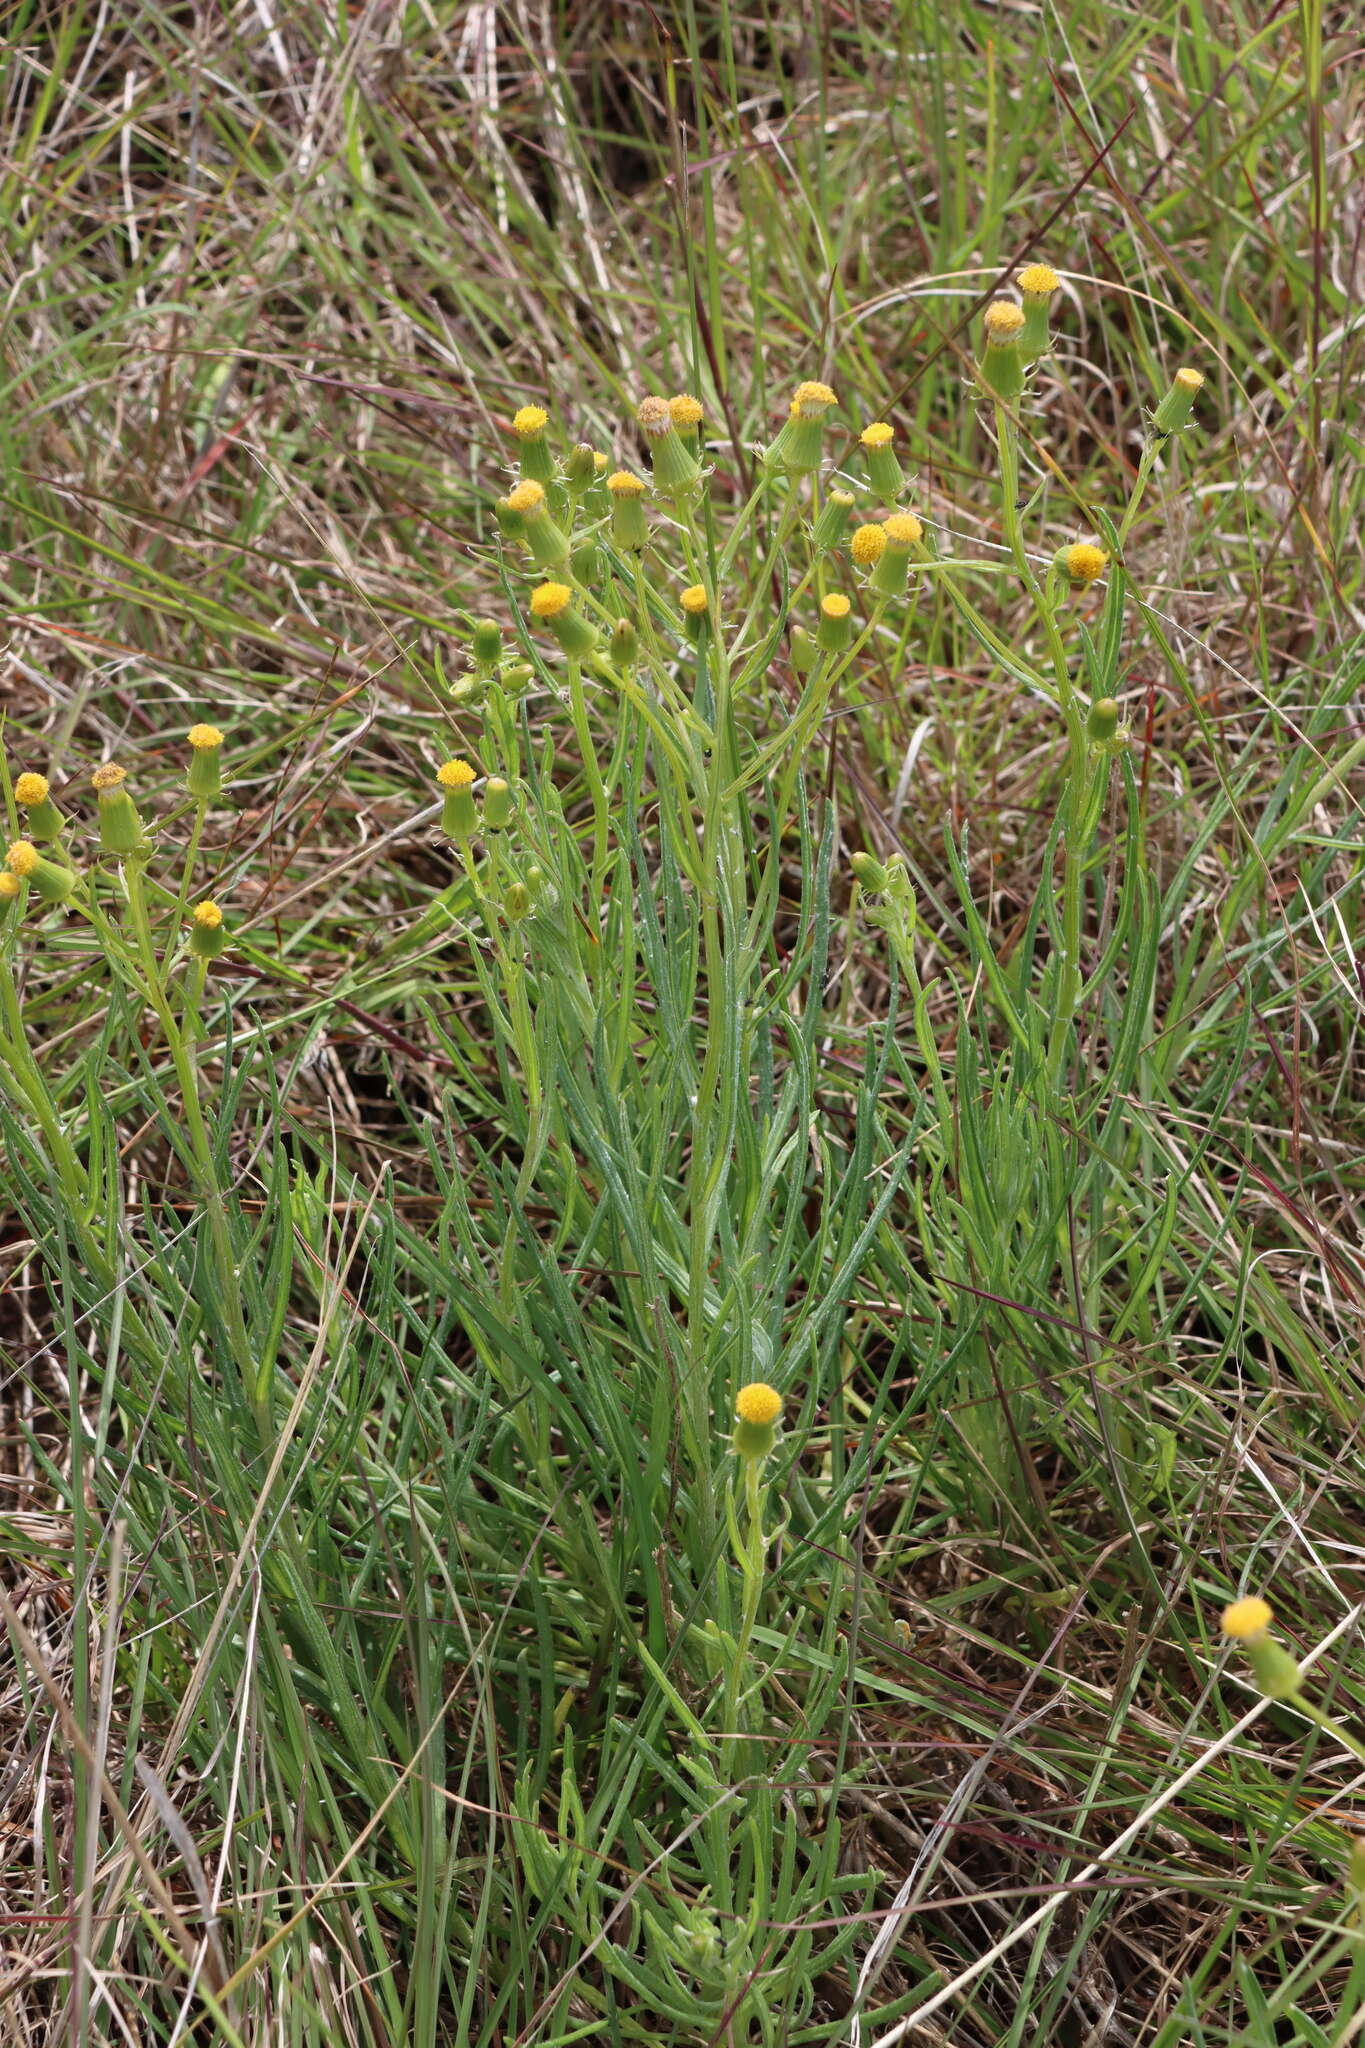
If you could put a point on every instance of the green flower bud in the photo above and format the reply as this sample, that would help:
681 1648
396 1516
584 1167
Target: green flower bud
884 472
629 527
832 523
1102 723
580 469
120 825
869 873
676 469
1002 366
835 631
204 776
498 804
516 901
625 644
799 448
804 652
1176 407
1276 1673
486 644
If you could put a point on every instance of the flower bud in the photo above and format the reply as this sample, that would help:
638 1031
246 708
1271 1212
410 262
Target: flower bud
832 523
629 527
800 445
120 825
498 804
758 1409
834 634
883 470
549 548
625 644
868 873
204 777
486 644
1002 366
1102 721
511 525
901 533
208 933
52 883
552 605
516 901
1175 408
804 652
1276 1673
586 563
536 460
459 817
31 793
580 469
1039 285
676 469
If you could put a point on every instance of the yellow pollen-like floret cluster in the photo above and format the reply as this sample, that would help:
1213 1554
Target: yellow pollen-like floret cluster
1084 562
22 857
654 416
867 545
878 435
758 1404
902 529
9 885
622 484
835 606
454 774
528 496
685 410
1003 320
107 776
202 736
529 421
811 399
1189 380
694 598
1039 281
1246 1618
601 461
207 916
31 789
549 600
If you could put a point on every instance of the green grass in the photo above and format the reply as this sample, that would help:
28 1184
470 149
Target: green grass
396 1650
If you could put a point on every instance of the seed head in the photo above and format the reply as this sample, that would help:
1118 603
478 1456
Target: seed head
1039 280
201 736
878 435
685 411
835 606
902 530
1084 562
530 421
1246 1618
810 399
758 1404
1004 321
207 915
454 774
622 484
31 789
107 776
867 545
528 496
550 600
23 857
656 416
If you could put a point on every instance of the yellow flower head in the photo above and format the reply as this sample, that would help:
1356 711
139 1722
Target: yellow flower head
528 496
622 484
1039 281
1084 562
1190 380
655 416
203 736
31 789
530 421
601 461
107 776
694 599
9 886
550 600
835 606
1246 1618
684 410
902 530
867 545
1003 322
810 399
878 435
22 857
454 774
758 1404
207 915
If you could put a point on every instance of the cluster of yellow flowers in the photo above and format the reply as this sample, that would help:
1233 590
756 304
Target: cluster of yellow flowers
52 876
